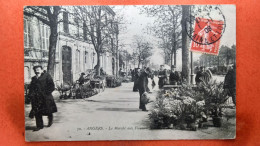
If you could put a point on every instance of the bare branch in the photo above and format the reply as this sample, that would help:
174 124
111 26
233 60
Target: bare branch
38 17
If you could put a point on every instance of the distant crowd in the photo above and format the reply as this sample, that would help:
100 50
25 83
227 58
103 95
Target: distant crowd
173 77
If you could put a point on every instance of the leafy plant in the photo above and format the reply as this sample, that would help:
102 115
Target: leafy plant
214 96
171 108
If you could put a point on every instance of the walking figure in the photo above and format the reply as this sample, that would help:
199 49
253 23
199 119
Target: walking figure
40 94
136 77
230 83
175 77
142 86
162 76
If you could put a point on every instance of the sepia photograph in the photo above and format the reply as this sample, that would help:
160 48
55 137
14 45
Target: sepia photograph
129 72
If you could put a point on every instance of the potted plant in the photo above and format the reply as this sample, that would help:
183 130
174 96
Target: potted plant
214 97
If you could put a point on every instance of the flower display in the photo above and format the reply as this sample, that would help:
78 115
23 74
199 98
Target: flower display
186 107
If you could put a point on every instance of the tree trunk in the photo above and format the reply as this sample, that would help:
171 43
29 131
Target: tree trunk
139 63
165 58
185 50
175 57
53 23
52 49
171 59
98 64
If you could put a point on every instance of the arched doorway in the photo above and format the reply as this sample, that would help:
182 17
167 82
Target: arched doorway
66 64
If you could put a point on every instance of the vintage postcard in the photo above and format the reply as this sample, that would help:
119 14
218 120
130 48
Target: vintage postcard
146 72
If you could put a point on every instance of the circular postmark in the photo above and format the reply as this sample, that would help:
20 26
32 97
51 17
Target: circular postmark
206 24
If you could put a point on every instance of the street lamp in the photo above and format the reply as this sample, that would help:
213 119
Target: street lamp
192 79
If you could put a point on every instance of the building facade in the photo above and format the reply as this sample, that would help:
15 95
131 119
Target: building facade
74 52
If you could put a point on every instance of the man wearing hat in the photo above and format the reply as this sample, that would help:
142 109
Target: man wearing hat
40 94
136 77
81 78
175 77
162 76
230 83
142 86
199 75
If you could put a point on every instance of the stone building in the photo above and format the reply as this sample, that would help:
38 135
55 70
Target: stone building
74 53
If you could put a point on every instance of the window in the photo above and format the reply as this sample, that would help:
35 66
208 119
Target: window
86 56
45 34
26 33
47 37
65 22
76 20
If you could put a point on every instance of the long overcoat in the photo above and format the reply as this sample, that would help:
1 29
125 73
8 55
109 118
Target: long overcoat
142 87
40 94
162 78
143 82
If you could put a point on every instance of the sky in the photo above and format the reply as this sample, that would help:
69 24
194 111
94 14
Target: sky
136 24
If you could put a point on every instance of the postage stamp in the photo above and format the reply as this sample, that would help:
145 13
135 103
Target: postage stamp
207 30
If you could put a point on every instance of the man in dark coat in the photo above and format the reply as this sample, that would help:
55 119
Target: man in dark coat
142 86
199 75
175 77
230 83
136 77
132 75
81 78
162 77
42 100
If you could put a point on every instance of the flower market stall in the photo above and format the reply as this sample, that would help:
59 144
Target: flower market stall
188 107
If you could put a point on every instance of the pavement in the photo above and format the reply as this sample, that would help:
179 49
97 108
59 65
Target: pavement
113 115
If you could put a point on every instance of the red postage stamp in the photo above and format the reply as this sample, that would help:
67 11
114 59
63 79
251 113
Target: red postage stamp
206 35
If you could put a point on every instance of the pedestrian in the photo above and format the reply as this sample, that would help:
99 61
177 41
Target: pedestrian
207 76
199 75
81 79
162 77
175 77
102 72
147 81
40 94
196 69
142 86
120 71
132 75
137 75
151 76
230 83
